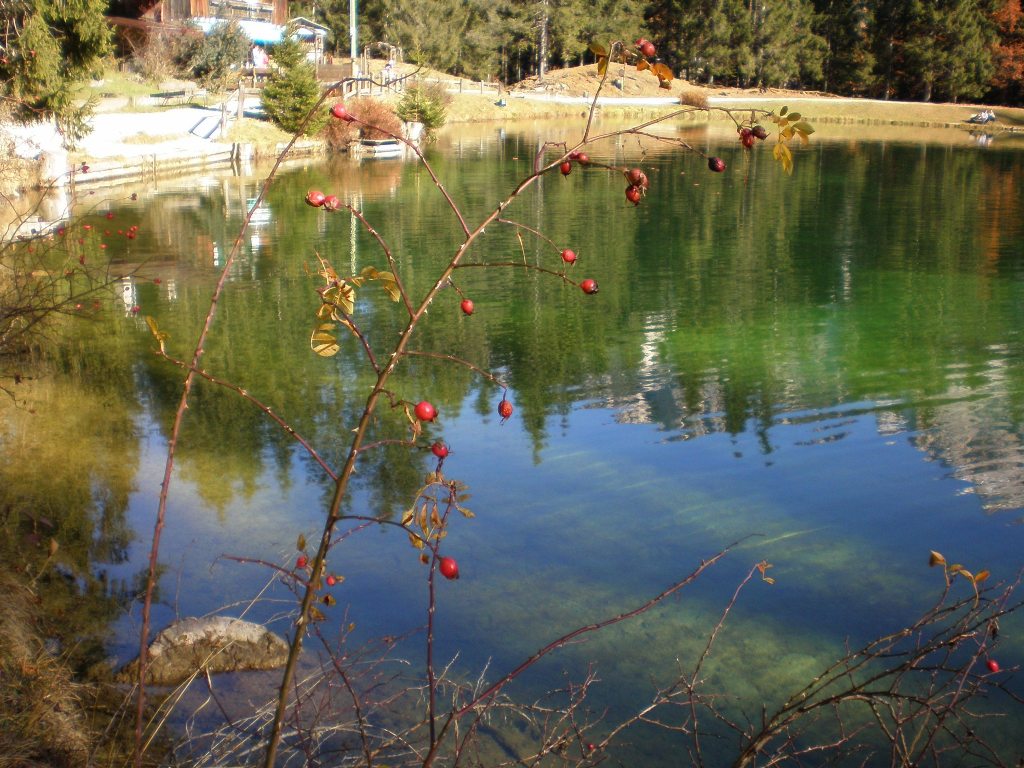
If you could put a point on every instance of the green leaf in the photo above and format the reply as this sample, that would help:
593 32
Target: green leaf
598 50
794 117
323 341
804 127
783 111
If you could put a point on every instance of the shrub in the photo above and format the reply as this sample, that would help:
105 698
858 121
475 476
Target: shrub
380 119
427 104
292 90
210 58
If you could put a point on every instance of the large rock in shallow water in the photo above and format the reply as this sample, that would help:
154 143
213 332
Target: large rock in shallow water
217 643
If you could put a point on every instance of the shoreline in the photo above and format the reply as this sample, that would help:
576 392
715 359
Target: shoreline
138 145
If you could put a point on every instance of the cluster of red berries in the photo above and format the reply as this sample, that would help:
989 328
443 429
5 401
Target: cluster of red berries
638 184
749 135
566 165
318 199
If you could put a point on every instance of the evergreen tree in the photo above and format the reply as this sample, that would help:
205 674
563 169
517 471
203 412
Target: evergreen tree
970 42
47 49
706 39
844 26
888 35
210 58
576 24
786 49
292 90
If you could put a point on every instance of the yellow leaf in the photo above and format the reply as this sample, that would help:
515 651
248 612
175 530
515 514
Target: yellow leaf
602 65
323 342
408 516
424 558
663 72
935 558
781 153
328 600
54 546
642 65
416 541
787 132
316 614
465 512
967 574
598 50
769 580
981 576
300 544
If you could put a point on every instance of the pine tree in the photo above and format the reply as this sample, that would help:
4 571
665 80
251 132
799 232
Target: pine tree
292 90
707 39
47 49
844 26
786 49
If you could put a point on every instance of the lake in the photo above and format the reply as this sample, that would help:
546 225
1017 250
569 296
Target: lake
827 368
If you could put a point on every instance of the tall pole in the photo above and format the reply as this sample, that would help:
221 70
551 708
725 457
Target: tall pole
353 34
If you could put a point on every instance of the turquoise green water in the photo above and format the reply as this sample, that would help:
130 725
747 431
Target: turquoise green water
829 364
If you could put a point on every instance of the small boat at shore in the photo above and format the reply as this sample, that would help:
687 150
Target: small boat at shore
380 147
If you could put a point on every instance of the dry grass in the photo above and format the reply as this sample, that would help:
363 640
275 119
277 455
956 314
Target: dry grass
41 720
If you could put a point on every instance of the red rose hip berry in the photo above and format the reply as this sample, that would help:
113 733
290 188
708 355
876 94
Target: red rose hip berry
637 178
425 411
341 112
634 194
505 409
448 568
759 132
301 561
993 665
716 164
565 168
315 198
569 256
467 306
648 50
439 449
589 286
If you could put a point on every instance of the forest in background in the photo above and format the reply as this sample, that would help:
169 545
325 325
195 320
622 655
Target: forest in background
927 50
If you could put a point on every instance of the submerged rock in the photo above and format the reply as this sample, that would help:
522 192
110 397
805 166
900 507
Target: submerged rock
216 643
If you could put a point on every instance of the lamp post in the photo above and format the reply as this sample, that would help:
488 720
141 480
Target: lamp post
353 34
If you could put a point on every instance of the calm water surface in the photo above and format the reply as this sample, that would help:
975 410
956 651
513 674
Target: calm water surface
833 361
